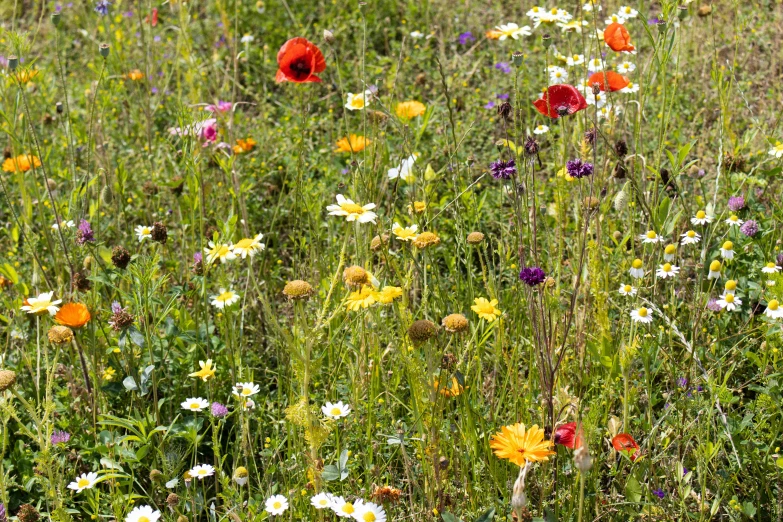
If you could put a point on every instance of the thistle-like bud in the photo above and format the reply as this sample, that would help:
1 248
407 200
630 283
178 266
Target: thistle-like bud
104 49
328 36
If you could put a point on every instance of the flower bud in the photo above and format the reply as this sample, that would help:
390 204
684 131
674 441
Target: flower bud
517 58
56 19
13 62
328 36
104 49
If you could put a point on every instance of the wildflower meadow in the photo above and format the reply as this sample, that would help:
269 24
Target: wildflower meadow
390 260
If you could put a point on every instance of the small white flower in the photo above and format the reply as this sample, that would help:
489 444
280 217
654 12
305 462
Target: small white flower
276 505
715 267
630 88
405 170
729 301
222 251
701 218
224 299
627 290
575 59
336 411
641 315
321 501
669 253
690 237
66 224
770 268
773 310
417 34
637 269
615 19
248 246
608 111
143 232
195 404
352 211
85 481
667 270
369 512
245 389
727 250
597 99
557 74
512 30
343 508
626 67
359 101
650 237
777 150
627 12
730 287
595 65
248 38
590 6
143 514
541 129
534 13
42 303
202 471
733 221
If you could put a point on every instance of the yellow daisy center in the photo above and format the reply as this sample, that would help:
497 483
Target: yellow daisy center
642 312
195 406
729 298
352 208
277 505
554 11
700 214
627 288
667 267
733 218
83 483
225 296
144 519
323 502
715 266
336 411
691 234
369 517
730 284
670 249
246 391
637 263
770 265
244 243
651 234
348 508
146 231
773 305
728 245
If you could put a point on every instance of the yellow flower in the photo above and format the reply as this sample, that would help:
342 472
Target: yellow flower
521 446
362 298
486 309
353 143
26 75
405 233
418 207
109 373
135 75
388 294
21 163
243 146
452 389
206 372
410 109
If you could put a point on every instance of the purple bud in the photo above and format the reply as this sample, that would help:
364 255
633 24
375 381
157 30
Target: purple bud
218 410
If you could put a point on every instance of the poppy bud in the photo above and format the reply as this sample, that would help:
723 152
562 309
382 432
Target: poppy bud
328 36
59 107
56 19
13 62
517 58
104 49
596 89
682 11
546 36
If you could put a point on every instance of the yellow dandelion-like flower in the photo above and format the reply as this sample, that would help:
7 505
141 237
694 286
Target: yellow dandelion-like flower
520 446
362 298
409 109
389 294
353 143
206 372
486 310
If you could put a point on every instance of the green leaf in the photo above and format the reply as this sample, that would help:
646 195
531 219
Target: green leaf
487 515
633 490
448 517
749 509
779 462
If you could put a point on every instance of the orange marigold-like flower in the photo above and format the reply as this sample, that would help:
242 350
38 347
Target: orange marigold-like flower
74 315
353 143
135 75
26 75
521 446
410 109
243 146
21 163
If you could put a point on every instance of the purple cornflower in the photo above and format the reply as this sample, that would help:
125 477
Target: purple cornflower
736 203
85 234
750 228
532 276
503 169
218 410
658 493
713 305
490 105
60 437
502 96
102 7
682 382
578 168
684 471
503 67
466 38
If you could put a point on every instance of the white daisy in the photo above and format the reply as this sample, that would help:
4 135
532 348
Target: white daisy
641 315
608 110
773 310
777 150
770 268
733 221
417 34
352 211
224 299
729 301
590 6
575 59
248 38
715 267
42 303
534 13
202 471
343 508
143 514
85 481
650 237
195 404
321 501
557 74
691 237
667 270
65 224
248 246
701 218
245 389
669 253
276 505
405 233
637 270
512 30
222 251
615 19
595 65
369 512
727 250
626 67
357 102
630 88
541 129
627 290
405 170
627 12
336 411
143 232
597 99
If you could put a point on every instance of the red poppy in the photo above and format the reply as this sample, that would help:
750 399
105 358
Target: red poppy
624 443
566 435
609 81
298 60
560 100
153 19
616 36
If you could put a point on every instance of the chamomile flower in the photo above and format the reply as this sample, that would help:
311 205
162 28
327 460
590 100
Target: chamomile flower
336 411
358 101
143 514
777 150
248 246
627 12
729 301
575 59
595 65
219 251
637 270
195 404
650 237
670 252
667 270
143 232
276 505
773 310
630 88
534 13
715 267
41 304
369 512
641 315
352 211
730 287
344 509
770 268
727 250
512 30
541 129
626 67
417 34
224 299
615 19
627 290
691 237
733 221
245 389
85 481
321 501
573 25
557 74
591 5
597 99
404 170
701 218
202 471
405 233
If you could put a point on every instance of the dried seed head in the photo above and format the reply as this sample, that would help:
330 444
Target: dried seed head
377 241
156 475
80 282
426 239
120 257
591 202
505 110
27 513
422 330
172 500
159 233
455 323
356 276
531 146
60 334
298 290
475 238
621 148
7 380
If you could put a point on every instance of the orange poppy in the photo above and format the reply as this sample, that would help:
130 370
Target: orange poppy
609 81
616 36
298 61
243 146
74 315
624 443
21 163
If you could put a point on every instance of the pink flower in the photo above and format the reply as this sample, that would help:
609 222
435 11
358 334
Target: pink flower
222 106
206 130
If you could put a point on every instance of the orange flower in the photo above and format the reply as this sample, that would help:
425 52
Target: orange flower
493 34
616 36
243 146
609 81
624 443
26 75
21 163
74 315
135 75
410 109
352 143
